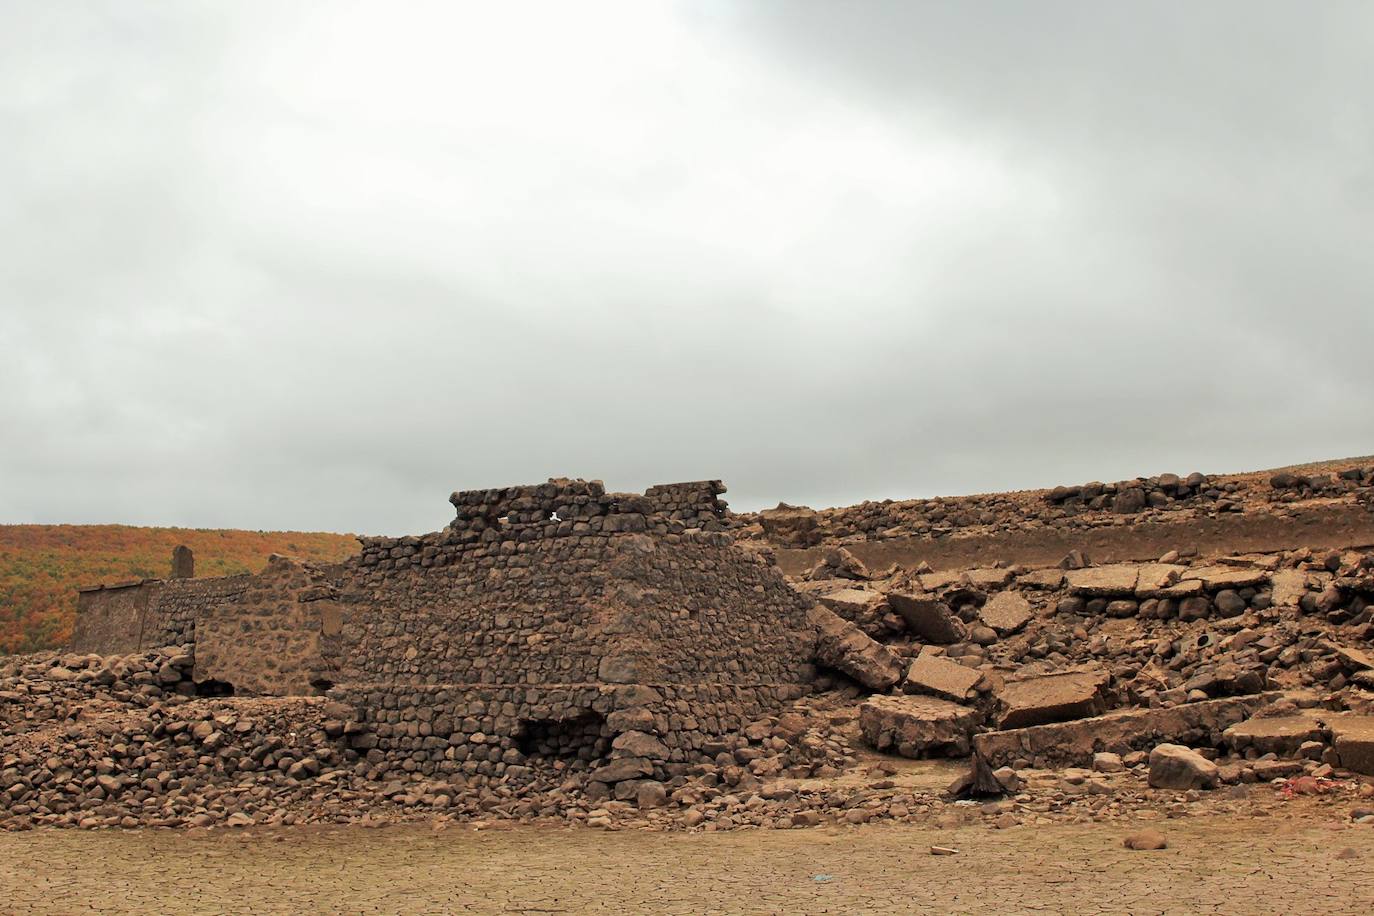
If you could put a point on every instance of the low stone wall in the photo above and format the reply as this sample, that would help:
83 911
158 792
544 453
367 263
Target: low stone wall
696 501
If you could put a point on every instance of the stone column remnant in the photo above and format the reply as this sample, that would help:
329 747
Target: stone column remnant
183 563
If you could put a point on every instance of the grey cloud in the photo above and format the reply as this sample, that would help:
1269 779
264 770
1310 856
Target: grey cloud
267 267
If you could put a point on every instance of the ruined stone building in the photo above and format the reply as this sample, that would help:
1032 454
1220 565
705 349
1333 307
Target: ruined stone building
547 620
561 652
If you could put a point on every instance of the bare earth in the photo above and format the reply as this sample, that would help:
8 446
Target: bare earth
1308 863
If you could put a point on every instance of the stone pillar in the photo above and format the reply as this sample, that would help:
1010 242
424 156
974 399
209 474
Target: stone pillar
183 563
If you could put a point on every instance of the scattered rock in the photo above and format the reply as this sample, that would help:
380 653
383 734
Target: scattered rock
1107 763
927 617
1006 613
1145 840
1173 766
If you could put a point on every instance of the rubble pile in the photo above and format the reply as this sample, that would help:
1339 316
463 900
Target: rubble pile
1076 507
95 742
1257 665
1160 492
1036 668
1290 487
37 690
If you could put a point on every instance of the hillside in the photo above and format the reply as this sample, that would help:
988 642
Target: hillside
41 566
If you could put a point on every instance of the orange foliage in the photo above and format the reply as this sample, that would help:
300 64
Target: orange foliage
41 567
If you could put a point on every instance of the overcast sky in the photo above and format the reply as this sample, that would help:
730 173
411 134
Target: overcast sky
314 266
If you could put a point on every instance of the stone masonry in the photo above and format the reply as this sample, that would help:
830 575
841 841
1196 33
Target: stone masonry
622 631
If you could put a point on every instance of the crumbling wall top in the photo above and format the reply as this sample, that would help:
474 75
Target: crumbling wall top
564 499
696 496
524 503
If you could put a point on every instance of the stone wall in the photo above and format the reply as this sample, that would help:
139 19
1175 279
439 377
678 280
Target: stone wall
683 634
561 608
268 638
109 618
133 616
687 502
175 606
547 620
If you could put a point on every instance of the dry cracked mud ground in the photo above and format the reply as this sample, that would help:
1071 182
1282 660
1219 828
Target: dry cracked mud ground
1302 861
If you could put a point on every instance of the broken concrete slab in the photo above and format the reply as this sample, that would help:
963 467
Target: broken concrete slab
850 602
987 577
940 677
1281 735
1059 697
1041 578
1352 738
1115 581
1185 588
843 646
1155 578
1219 577
1074 743
1265 561
818 587
914 726
1006 612
927 617
934 581
623 768
865 608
